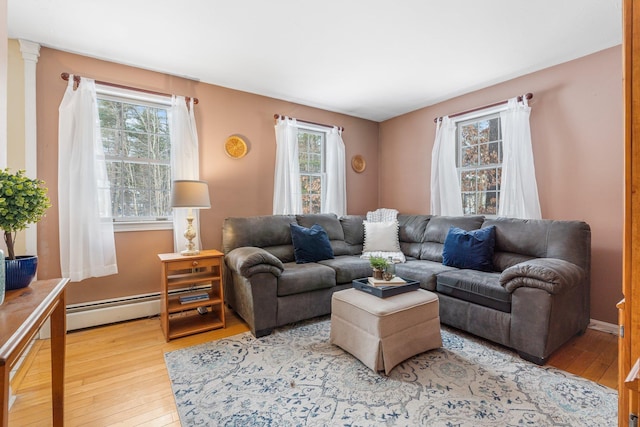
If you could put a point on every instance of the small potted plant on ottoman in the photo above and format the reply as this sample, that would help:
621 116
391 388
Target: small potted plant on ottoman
23 201
379 264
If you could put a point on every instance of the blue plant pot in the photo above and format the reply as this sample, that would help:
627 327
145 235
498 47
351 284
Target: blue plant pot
20 272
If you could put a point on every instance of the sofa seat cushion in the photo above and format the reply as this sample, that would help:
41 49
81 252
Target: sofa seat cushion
298 278
478 287
348 268
423 271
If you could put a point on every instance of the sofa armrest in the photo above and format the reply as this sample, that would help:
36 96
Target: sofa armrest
249 260
550 274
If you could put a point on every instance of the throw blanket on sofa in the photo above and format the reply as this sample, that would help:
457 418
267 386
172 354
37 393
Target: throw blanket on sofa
378 242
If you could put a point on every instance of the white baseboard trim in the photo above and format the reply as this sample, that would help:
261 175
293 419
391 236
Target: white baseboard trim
104 312
114 314
98 313
603 327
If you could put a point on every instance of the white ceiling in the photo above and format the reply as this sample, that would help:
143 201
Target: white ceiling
374 59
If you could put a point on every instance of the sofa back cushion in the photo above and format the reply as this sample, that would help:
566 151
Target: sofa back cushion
332 226
437 229
520 239
353 228
411 233
270 232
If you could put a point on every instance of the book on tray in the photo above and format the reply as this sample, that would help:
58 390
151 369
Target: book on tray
395 281
192 297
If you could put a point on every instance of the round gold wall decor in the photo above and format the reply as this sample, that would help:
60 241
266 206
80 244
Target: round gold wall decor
235 147
358 164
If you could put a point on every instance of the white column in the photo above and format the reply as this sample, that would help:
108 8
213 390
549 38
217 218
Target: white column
30 53
4 54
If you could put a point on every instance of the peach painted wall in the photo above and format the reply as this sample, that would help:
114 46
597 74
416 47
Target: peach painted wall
238 187
577 134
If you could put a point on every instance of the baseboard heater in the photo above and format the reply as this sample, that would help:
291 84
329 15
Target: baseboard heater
104 312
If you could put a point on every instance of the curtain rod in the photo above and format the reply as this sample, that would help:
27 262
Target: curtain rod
527 96
76 82
280 116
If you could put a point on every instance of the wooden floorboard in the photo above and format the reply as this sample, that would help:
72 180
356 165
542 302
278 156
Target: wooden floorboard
116 375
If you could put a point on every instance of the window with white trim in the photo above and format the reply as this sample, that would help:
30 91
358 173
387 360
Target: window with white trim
479 163
311 156
134 129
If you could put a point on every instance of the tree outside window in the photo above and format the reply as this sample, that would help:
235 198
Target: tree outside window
137 151
311 146
479 162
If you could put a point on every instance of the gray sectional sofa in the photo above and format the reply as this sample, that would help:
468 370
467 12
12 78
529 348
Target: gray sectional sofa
535 300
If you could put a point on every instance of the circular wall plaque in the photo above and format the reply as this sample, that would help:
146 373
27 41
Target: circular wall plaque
235 147
358 164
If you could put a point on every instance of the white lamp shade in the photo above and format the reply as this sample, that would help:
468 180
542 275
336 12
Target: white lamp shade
190 194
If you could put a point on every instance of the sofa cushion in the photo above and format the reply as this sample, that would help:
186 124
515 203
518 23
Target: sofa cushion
333 226
423 271
329 222
470 249
299 278
411 233
270 232
348 268
382 241
381 236
310 244
478 287
436 232
353 228
541 238
258 231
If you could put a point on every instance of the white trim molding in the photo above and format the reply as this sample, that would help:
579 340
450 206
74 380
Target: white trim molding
601 326
30 54
4 54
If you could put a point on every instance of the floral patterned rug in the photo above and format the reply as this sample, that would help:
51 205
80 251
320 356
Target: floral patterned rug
294 377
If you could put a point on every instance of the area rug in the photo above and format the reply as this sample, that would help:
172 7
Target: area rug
294 377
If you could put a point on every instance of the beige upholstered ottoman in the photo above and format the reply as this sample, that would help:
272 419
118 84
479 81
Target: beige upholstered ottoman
383 332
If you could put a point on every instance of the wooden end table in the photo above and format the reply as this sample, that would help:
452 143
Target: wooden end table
22 314
191 277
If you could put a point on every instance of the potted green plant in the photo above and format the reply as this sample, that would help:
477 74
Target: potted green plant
23 201
378 264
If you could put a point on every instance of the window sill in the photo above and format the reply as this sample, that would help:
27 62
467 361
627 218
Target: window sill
142 226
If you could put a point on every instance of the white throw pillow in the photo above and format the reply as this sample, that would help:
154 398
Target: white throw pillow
381 236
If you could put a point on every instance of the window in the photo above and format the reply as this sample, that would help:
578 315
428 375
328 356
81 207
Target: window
311 156
137 148
479 163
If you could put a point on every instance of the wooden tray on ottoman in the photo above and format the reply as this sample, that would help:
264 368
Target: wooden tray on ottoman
383 291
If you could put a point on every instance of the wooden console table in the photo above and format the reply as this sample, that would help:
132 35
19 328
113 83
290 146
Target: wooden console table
23 313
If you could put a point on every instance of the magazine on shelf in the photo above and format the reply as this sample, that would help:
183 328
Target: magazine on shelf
193 297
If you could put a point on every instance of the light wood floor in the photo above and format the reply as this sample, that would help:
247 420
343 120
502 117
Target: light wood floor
115 375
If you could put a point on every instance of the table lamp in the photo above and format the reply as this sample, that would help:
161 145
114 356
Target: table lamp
190 194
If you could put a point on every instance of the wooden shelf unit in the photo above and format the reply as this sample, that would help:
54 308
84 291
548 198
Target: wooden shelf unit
187 275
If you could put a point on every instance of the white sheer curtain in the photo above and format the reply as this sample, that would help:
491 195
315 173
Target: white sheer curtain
287 198
336 190
87 244
445 186
185 164
519 191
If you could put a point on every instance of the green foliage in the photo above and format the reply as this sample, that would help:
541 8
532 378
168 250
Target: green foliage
23 201
378 262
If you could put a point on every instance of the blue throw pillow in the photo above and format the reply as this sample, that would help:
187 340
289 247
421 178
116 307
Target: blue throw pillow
470 249
310 244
